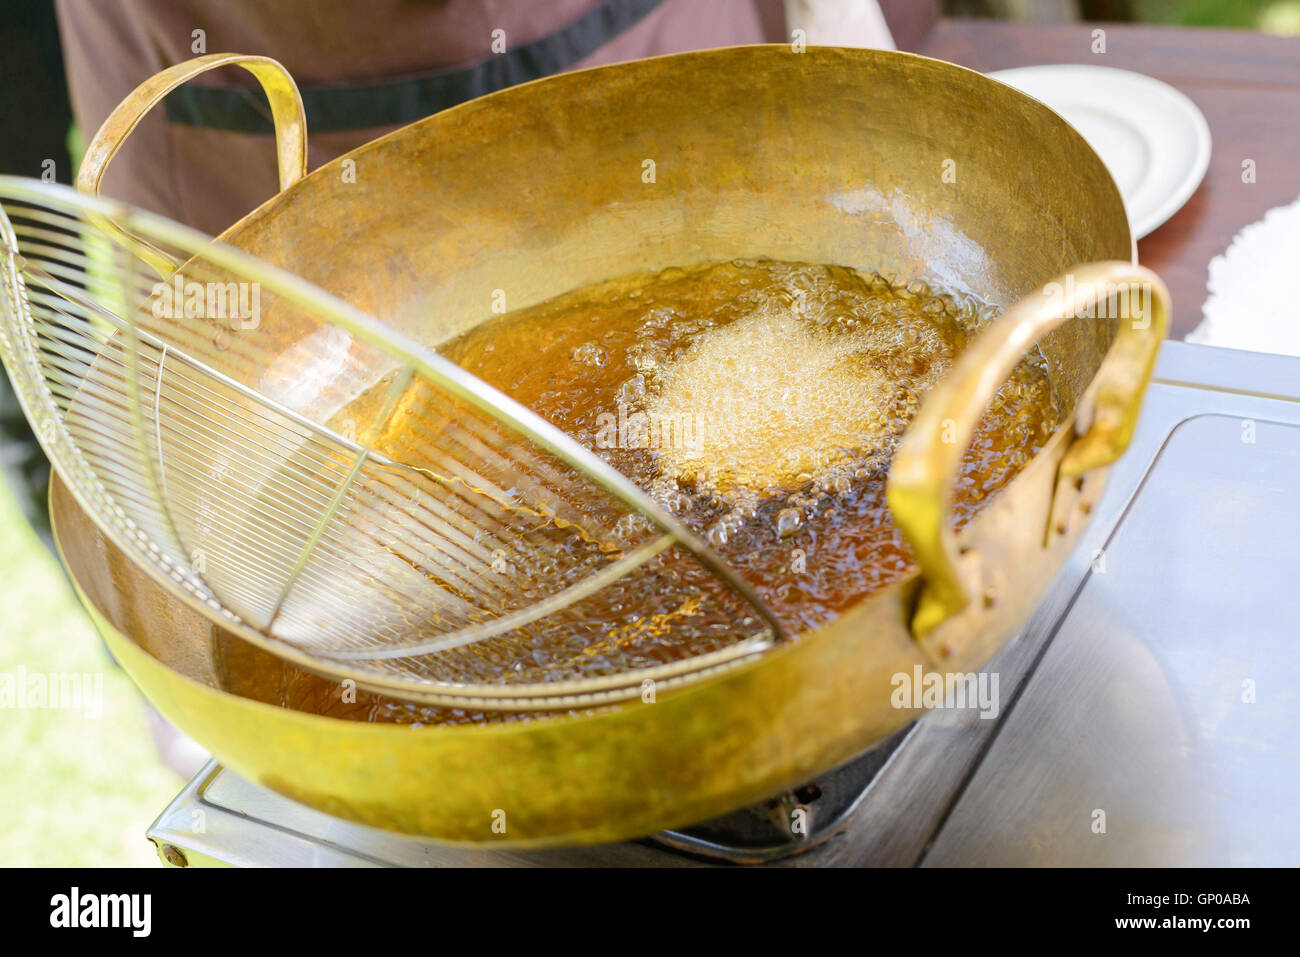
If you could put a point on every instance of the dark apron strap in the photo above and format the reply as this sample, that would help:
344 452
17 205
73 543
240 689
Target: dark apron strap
396 103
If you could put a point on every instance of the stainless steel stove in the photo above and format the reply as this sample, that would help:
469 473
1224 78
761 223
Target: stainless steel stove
1149 713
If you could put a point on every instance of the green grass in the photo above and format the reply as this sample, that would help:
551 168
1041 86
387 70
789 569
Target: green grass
74 790
1272 16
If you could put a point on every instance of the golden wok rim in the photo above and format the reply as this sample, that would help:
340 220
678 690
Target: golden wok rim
706 52
569 694
630 766
534 697
484 697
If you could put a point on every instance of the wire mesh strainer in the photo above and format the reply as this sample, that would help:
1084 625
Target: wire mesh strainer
335 492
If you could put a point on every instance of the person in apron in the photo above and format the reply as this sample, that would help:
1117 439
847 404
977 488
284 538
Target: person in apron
207 156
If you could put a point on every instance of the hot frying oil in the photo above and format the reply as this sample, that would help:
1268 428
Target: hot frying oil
758 401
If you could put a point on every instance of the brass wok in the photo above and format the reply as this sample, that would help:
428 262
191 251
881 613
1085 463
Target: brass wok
876 160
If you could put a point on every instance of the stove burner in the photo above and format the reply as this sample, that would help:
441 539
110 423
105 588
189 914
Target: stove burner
790 823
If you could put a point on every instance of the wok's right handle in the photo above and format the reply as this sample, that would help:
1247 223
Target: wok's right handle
923 476
282 93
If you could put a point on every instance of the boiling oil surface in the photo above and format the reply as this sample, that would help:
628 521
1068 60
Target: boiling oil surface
758 401
761 402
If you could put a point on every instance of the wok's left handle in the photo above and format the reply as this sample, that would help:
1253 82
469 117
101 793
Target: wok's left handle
281 92
286 111
923 476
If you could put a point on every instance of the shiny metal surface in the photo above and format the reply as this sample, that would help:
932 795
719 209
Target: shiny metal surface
1173 676
1124 693
512 192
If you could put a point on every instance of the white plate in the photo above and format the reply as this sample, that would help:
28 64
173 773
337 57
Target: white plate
1153 139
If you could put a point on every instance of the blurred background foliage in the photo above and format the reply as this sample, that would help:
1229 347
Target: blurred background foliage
1270 16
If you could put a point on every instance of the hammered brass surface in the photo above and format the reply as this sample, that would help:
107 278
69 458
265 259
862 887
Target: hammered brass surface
870 159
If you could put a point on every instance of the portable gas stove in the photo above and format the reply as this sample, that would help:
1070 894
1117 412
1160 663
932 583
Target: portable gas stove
1145 716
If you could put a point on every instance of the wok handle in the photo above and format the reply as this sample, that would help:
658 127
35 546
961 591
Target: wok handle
281 91
923 476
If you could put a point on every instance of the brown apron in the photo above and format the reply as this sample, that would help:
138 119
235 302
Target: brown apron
206 157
